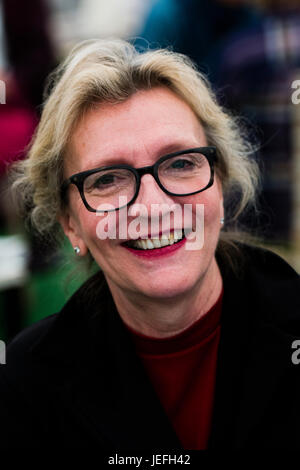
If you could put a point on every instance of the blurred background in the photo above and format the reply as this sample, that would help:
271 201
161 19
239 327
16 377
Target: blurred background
250 51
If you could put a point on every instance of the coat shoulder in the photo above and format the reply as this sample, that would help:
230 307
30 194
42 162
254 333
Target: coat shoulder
270 264
29 335
268 283
20 362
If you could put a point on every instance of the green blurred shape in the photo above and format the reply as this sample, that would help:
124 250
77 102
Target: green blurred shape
49 290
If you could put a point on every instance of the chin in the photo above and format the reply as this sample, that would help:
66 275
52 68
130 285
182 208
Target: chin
166 289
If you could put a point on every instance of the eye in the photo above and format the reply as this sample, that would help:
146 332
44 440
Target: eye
100 182
181 164
108 180
104 180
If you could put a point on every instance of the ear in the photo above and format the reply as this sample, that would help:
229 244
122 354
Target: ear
70 227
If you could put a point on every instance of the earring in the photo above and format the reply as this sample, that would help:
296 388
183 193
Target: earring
77 250
222 220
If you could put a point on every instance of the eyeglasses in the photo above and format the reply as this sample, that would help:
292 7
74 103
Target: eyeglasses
182 173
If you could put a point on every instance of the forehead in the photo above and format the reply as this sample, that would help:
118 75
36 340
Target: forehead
137 131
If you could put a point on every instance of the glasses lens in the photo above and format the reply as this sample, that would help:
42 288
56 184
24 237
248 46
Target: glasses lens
184 174
108 186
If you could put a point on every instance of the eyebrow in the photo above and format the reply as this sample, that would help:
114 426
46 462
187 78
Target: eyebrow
165 150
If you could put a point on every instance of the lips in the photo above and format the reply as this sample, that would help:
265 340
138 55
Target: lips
157 242
156 252
168 244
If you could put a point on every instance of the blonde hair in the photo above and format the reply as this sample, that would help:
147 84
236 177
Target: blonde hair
111 71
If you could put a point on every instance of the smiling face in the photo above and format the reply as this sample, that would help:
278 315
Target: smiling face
138 132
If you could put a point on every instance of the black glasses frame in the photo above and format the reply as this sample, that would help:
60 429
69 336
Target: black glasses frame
78 179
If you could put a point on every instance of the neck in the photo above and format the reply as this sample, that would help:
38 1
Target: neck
151 316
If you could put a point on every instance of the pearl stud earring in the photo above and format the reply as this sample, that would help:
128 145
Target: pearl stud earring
77 250
222 220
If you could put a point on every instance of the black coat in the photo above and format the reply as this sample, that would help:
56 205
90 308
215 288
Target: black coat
74 379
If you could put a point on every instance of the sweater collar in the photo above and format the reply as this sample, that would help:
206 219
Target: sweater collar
190 337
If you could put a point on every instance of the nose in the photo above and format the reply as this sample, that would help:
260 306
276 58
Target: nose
157 211
151 193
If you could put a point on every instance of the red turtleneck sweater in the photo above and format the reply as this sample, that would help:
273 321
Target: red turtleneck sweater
182 369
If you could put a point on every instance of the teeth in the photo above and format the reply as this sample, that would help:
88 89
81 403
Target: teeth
149 244
164 240
177 235
156 242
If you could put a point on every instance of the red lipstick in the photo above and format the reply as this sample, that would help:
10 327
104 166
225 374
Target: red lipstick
156 252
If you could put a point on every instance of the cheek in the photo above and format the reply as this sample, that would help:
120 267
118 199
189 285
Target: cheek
95 237
212 211
207 206
87 223
208 224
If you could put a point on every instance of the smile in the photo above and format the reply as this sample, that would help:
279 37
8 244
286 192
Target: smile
157 242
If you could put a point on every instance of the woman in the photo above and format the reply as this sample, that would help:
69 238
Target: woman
184 339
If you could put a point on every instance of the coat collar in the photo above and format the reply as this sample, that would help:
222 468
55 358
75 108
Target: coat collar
260 321
103 381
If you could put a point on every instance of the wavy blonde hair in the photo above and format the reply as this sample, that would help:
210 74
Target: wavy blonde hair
111 71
